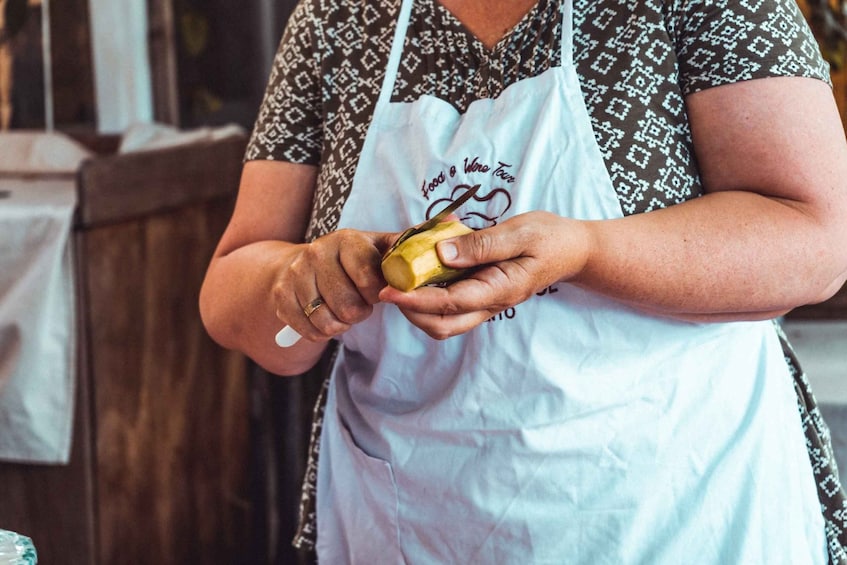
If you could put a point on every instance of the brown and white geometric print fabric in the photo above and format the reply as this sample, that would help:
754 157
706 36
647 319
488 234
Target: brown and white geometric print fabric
819 445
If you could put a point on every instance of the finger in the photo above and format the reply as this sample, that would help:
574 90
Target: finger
302 303
491 289
342 298
352 278
443 327
481 247
324 322
307 302
360 260
319 273
312 318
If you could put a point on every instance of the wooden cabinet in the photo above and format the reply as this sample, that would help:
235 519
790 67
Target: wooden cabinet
158 471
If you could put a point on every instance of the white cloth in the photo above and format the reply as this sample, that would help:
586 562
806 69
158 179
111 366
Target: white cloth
32 152
37 322
568 429
144 136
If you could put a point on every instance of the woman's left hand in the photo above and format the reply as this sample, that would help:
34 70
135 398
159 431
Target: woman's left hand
515 259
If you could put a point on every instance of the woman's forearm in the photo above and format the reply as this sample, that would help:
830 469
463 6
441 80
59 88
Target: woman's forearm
238 310
236 301
727 255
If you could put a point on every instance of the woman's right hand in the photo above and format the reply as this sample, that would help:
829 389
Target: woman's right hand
336 280
260 279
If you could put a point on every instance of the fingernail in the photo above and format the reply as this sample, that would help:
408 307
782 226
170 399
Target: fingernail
448 250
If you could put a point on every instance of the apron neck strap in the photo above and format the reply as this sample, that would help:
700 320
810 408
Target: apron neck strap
396 52
567 33
400 39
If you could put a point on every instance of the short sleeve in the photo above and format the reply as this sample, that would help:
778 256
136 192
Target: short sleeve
725 41
288 125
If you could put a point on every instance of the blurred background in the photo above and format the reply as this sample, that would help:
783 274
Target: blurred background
178 451
79 65
171 450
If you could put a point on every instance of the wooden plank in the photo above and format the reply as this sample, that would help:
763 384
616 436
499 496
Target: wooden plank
126 186
74 105
171 406
163 61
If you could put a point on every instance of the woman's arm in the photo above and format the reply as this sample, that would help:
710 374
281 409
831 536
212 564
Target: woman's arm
769 235
236 300
261 275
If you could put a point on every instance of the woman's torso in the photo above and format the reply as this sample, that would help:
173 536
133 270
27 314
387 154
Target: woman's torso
576 427
628 65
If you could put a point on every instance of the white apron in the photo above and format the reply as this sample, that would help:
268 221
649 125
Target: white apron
568 429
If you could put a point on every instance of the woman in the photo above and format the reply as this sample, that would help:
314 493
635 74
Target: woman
608 386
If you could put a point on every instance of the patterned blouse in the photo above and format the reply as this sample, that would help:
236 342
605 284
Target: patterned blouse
636 60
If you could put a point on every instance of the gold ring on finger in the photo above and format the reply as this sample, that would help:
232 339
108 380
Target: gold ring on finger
312 306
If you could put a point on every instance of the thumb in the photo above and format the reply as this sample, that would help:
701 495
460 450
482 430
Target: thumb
481 247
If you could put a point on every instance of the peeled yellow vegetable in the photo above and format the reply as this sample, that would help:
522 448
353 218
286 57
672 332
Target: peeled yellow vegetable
415 262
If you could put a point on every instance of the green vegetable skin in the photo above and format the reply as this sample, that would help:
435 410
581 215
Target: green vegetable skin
415 262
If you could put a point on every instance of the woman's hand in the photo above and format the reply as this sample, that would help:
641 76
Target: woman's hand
261 277
326 286
516 259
